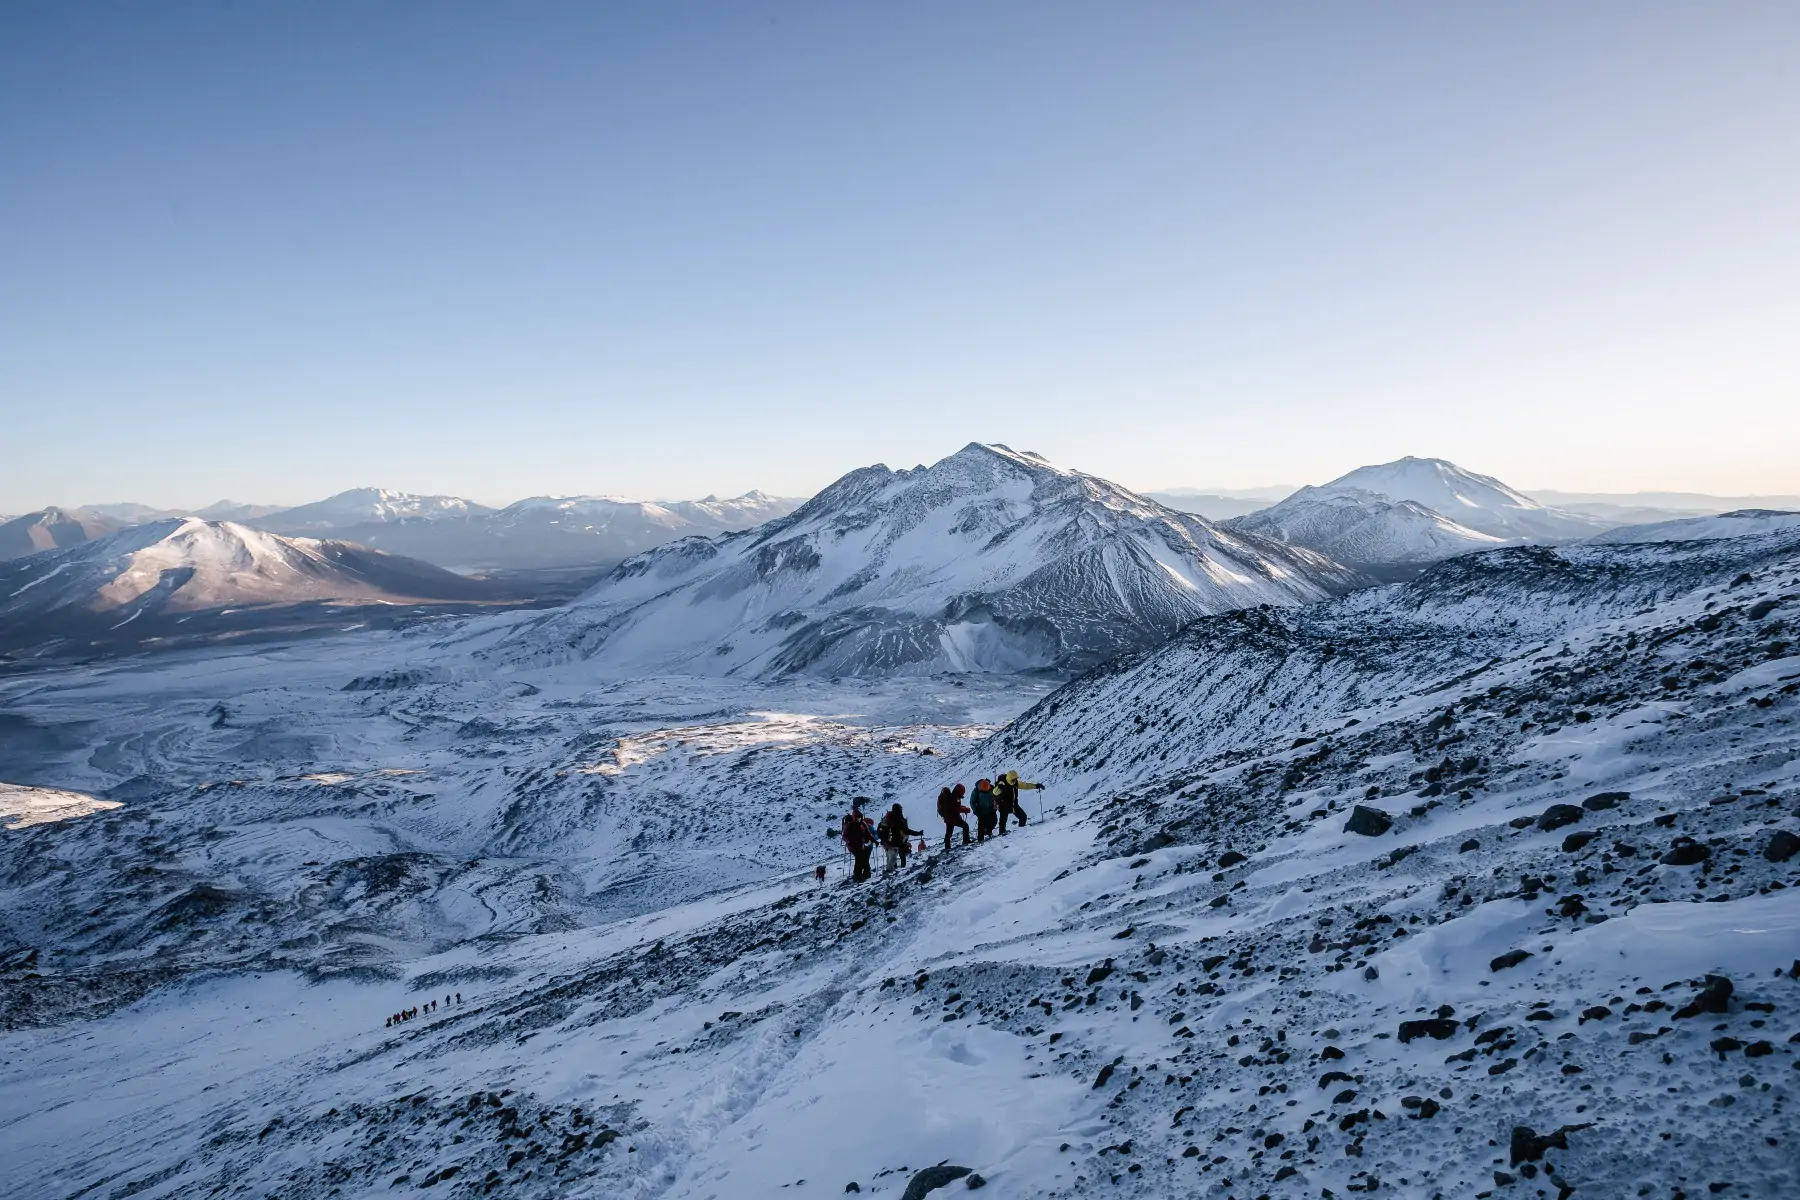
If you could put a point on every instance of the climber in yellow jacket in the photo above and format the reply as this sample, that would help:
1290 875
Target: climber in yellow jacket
1006 791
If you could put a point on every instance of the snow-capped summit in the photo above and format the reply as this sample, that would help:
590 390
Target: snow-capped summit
991 559
1364 529
361 506
1478 502
1393 517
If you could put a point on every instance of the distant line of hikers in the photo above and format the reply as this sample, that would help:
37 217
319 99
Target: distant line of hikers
407 1014
993 801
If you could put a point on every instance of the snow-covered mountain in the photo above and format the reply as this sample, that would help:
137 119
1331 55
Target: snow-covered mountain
1724 525
52 529
990 560
1364 529
142 574
367 506
1478 502
1390 518
625 527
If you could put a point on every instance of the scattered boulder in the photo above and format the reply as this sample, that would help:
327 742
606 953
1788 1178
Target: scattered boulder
1575 841
931 1179
1437 1028
1528 1146
1686 854
1782 846
1714 997
1370 822
1511 958
1558 815
1230 858
1605 800
1104 1075
975 1181
1100 972
1467 846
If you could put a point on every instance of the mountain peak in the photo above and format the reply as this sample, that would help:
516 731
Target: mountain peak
1474 501
988 560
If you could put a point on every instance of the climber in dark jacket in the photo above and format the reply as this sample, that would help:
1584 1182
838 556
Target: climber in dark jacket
858 839
986 808
895 839
950 808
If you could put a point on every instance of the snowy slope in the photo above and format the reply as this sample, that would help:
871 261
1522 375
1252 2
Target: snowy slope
1187 978
1725 525
51 529
990 560
1364 529
1476 502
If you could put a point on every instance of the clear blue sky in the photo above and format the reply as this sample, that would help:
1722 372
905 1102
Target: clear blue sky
270 251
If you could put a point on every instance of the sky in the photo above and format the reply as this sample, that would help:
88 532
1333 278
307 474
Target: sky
269 251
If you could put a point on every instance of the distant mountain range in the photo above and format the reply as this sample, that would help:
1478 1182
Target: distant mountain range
1213 505
458 534
990 560
543 531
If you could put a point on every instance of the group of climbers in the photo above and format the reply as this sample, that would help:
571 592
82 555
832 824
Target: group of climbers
861 835
993 803
430 1006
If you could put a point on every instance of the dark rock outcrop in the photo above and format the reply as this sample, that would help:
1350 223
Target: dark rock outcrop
931 1179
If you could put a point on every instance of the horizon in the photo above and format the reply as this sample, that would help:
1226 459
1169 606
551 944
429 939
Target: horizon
276 252
1271 492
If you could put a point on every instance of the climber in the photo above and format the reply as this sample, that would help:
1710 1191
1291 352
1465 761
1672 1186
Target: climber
950 808
1006 799
895 839
982 801
1015 785
859 839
